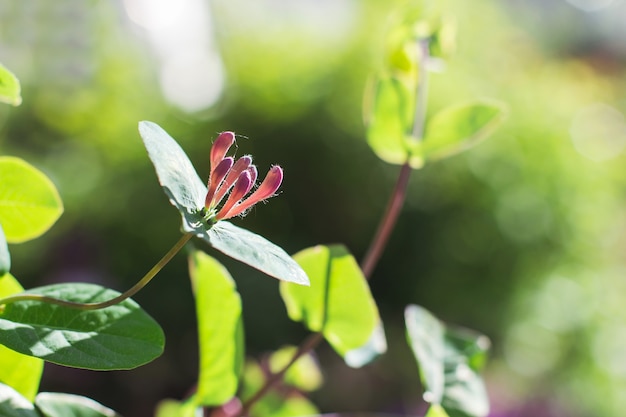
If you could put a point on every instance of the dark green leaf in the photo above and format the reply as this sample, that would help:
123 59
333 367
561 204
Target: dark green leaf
118 337
220 330
255 251
52 404
449 360
29 201
353 328
176 174
21 372
5 257
12 404
10 91
460 127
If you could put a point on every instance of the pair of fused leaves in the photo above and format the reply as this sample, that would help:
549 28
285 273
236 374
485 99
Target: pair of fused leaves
47 404
450 361
187 193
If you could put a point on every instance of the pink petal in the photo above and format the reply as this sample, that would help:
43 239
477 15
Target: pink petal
241 165
242 186
216 178
221 145
267 189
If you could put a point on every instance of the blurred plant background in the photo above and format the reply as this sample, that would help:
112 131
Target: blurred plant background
522 238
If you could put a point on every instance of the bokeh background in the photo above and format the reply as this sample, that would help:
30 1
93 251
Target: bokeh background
522 238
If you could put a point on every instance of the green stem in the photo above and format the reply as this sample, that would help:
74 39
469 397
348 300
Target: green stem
103 304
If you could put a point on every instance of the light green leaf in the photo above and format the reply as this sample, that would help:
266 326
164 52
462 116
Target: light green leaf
10 91
220 330
12 404
390 106
122 336
21 372
460 127
449 360
436 410
173 408
29 202
52 404
352 328
304 374
255 251
184 188
5 257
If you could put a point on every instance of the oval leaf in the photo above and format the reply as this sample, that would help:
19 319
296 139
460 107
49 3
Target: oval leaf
352 328
304 374
53 404
449 360
10 91
29 202
255 251
21 372
5 257
12 404
460 127
220 330
122 336
391 118
176 174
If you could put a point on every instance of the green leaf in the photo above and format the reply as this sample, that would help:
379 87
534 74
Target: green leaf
173 408
52 404
390 119
255 251
29 202
304 374
5 257
184 188
450 360
12 404
220 330
460 127
21 372
122 336
10 91
339 304
436 410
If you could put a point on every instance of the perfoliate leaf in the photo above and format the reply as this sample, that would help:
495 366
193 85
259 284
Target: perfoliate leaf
449 360
53 404
29 202
352 328
304 374
10 91
122 336
460 127
220 330
21 372
255 251
5 257
12 404
176 174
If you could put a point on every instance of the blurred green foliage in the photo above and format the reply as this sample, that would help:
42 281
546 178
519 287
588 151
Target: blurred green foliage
522 238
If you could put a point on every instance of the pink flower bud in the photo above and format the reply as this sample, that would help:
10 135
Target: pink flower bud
241 188
267 189
221 145
240 166
216 178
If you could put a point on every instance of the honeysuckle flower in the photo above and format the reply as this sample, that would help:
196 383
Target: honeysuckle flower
240 176
205 210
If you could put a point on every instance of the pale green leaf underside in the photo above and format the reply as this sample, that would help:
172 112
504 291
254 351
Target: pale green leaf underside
176 174
450 360
118 337
5 256
255 251
335 277
21 372
29 201
52 404
10 91
12 404
220 330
